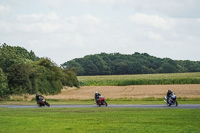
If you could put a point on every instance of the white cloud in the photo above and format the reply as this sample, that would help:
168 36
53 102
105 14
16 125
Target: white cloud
92 19
52 22
104 1
151 20
38 17
5 27
86 23
85 19
4 9
38 22
154 36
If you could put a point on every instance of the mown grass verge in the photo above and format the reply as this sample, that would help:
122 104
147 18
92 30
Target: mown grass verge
84 120
142 79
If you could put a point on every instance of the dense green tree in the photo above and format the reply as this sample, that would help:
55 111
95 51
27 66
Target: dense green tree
100 64
23 72
168 68
3 84
70 78
74 65
90 68
49 77
192 66
116 63
19 79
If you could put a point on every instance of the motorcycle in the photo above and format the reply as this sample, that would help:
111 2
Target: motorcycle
172 100
42 102
101 101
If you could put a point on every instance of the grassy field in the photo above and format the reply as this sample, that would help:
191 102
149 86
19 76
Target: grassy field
84 120
143 79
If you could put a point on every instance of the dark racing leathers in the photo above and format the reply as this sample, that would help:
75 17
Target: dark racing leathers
38 97
169 93
96 96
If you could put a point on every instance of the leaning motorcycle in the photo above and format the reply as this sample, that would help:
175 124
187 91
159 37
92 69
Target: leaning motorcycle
101 101
172 100
42 102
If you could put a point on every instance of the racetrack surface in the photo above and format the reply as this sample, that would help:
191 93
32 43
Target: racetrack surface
180 106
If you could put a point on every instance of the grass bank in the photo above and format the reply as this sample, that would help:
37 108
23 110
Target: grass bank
84 120
142 79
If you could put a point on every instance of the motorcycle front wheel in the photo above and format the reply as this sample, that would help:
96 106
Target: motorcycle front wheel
176 103
106 104
48 105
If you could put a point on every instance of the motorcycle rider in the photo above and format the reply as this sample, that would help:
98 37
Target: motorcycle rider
169 93
96 96
37 98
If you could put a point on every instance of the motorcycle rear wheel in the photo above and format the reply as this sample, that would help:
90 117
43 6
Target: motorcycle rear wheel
39 105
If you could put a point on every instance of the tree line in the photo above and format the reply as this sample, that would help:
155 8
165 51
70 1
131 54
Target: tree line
137 63
23 72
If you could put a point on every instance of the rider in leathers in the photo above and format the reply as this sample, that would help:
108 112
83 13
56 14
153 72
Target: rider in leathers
169 93
37 98
96 96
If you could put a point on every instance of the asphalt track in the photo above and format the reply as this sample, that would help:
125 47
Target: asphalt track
164 106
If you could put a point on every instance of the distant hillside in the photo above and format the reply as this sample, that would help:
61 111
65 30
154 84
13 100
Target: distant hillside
137 63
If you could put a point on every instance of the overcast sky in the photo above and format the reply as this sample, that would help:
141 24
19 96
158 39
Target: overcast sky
66 29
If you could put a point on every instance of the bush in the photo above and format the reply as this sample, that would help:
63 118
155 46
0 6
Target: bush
3 84
26 73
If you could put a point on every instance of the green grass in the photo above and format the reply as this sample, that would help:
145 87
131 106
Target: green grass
102 120
109 101
142 79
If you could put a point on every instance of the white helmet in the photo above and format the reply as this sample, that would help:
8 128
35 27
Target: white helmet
96 92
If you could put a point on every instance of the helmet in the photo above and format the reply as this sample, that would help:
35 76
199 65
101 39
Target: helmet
169 91
96 92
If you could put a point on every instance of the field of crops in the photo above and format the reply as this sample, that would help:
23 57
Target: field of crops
144 79
106 120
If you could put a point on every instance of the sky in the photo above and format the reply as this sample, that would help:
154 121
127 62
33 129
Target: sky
63 30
